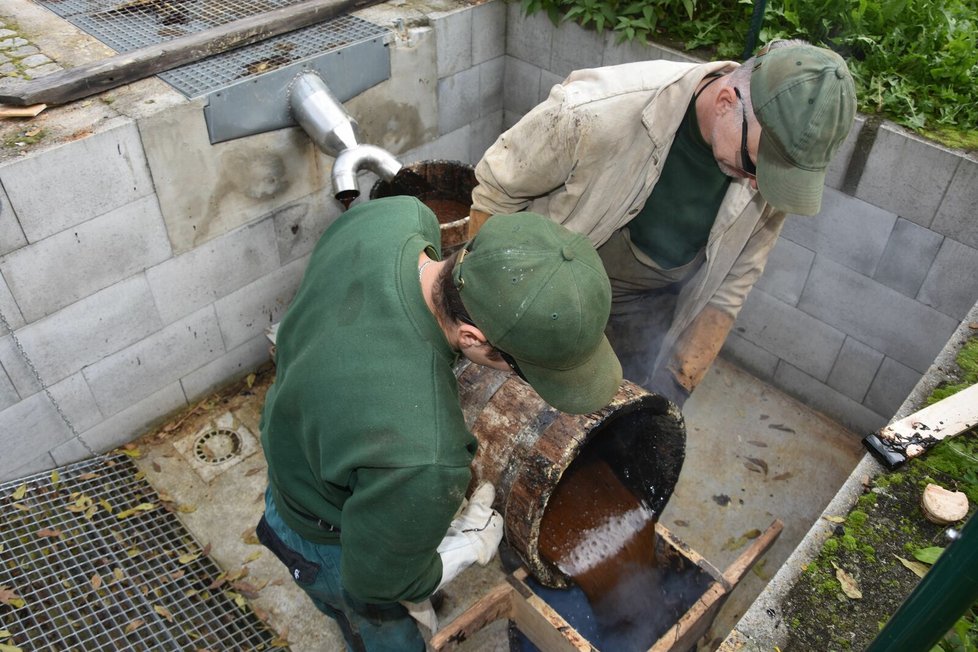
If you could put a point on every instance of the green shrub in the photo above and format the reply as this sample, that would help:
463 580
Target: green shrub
914 61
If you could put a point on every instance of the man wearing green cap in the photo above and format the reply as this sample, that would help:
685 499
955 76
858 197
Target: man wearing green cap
682 175
368 453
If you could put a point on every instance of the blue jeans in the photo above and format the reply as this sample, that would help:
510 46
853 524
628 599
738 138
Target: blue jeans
315 568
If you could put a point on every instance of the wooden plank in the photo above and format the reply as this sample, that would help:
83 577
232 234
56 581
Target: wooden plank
694 623
21 111
496 604
545 628
75 83
736 571
913 435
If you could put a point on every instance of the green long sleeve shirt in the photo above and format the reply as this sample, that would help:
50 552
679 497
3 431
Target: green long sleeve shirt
362 427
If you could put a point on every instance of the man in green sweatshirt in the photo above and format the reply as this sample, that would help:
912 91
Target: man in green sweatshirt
368 453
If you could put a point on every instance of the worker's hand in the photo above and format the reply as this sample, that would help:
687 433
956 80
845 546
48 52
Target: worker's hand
473 536
476 219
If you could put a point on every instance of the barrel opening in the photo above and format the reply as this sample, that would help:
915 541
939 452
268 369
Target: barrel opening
443 186
620 475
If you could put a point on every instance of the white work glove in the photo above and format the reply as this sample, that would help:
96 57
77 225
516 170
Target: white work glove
473 536
424 613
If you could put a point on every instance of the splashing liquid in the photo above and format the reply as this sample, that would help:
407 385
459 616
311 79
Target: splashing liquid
598 533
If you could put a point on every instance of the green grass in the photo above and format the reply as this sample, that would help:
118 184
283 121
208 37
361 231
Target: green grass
914 61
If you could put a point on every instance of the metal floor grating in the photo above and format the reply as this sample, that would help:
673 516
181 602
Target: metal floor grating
90 580
126 25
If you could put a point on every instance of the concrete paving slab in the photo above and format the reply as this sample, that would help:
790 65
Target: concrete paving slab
753 455
767 454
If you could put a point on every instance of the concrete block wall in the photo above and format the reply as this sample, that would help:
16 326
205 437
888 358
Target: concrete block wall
140 265
855 302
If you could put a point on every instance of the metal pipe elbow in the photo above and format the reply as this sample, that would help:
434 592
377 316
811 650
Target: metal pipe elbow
354 159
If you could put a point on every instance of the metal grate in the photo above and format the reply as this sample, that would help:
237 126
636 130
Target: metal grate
126 25
90 580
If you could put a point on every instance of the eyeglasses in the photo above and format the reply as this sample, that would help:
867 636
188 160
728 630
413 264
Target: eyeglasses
746 164
507 358
512 365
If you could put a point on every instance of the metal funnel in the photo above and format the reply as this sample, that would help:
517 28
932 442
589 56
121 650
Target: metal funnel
335 132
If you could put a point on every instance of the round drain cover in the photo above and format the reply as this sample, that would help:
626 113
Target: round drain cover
216 446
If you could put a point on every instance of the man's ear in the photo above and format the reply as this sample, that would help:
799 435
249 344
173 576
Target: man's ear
725 100
469 335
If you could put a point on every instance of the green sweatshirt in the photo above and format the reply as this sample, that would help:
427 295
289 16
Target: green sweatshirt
362 427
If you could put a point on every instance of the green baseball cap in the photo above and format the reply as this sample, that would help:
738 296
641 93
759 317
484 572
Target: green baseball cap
805 100
539 293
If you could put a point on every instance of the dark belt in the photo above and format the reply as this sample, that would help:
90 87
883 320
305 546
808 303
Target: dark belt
320 523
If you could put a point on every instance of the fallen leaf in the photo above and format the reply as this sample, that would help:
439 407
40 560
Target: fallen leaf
141 507
10 598
4 634
186 509
177 574
238 599
133 625
928 555
106 506
250 537
253 471
88 476
849 585
157 467
49 532
90 512
163 611
916 567
759 462
253 556
19 492
96 581
9 648
237 574
834 519
246 589
134 453
118 575
81 504
21 506
55 478
189 557
734 543
250 380
758 570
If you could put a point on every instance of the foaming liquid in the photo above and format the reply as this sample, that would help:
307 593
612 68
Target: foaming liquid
603 537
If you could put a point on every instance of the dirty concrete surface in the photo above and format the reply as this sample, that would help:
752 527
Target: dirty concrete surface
753 455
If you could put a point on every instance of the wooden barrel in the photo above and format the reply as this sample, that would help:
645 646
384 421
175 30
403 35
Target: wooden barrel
443 186
525 446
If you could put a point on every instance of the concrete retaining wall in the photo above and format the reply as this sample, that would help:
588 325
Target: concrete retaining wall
140 264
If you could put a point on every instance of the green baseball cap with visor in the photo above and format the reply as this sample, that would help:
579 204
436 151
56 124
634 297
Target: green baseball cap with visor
540 294
805 100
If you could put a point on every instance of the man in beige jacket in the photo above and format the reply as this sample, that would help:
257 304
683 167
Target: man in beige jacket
681 174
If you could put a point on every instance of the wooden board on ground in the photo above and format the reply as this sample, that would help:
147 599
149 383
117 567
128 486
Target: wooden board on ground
516 601
85 80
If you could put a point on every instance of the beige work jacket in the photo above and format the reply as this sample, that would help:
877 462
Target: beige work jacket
589 156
